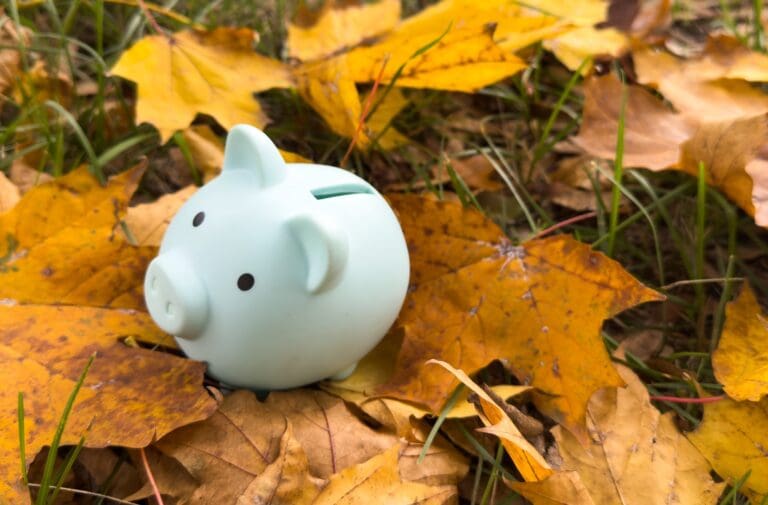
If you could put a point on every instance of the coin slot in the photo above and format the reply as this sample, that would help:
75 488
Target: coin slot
339 190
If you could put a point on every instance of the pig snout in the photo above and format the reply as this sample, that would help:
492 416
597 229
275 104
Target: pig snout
175 295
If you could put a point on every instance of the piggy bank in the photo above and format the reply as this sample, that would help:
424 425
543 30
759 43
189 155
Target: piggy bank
278 274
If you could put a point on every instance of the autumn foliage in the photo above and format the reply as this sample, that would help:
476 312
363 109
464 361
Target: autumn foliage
527 363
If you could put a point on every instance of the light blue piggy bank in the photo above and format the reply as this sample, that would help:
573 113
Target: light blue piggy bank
278 275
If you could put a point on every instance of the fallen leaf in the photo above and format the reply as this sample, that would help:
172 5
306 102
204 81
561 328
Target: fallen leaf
26 177
331 435
327 87
578 44
461 60
245 434
60 244
636 455
706 89
726 149
227 451
129 398
561 488
286 480
527 459
378 481
11 37
573 183
733 152
741 359
477 172
193 72
39 84
206 149
374 369
9 193
577 38
732 437
530 311
341 26
653 133
147 222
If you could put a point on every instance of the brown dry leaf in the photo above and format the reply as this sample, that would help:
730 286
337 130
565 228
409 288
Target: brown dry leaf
734 153
61 245
711 87
397 416
527 459
9 193
286 480
238 442
193 72
562 488
476 298
653 133
726 149
10 57
733 438
331 435
341 26
741 359
573 183
636 455
237 445
227 451
130 397
378 481
476 171
26 177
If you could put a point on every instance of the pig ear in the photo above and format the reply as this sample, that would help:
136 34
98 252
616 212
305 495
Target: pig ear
249 148
324 247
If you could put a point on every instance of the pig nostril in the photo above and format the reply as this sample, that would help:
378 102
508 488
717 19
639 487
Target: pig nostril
169 309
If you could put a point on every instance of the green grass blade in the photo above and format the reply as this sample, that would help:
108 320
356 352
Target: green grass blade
45 481
22 439
95 168
618 171
439 422
69 462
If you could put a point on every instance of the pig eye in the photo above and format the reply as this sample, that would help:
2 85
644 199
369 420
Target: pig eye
245 282
198 219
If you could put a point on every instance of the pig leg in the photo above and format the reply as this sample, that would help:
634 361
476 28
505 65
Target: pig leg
340 376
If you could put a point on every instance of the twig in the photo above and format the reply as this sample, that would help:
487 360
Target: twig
563 224
151 477
151 18
366 110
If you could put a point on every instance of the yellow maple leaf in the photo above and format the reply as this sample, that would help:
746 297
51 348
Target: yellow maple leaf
732 437
475 298
60 244
741 358
339 28
193 72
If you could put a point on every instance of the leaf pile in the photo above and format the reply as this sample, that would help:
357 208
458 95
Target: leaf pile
496 379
